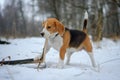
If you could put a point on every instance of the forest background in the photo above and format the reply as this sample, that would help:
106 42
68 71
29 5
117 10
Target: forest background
23 18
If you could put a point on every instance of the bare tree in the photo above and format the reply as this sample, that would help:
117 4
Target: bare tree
99 24
112 19
22 17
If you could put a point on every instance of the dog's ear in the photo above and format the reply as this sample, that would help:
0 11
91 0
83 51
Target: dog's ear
60 27
43 23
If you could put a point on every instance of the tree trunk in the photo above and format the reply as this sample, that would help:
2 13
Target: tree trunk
92 19
99 25
113 19
99 29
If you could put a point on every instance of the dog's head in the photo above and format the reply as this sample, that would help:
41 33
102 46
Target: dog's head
51 27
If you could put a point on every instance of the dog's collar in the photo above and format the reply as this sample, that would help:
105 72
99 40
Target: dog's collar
56 34
53 37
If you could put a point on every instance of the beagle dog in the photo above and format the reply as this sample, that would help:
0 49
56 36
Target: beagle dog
66 41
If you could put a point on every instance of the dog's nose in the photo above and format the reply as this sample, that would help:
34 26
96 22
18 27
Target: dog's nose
42 34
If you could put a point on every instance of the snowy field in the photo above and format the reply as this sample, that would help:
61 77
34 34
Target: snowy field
107 58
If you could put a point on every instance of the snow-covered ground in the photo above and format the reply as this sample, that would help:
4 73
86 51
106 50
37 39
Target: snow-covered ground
107 58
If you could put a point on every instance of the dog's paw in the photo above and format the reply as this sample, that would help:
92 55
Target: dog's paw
67 63
96 68
60 66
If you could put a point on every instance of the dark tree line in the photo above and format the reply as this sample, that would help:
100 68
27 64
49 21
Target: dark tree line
14 22
104 16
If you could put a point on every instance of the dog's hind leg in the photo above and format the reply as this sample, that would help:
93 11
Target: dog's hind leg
92 59
88 49
68 57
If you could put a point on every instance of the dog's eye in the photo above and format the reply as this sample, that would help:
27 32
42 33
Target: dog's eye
49 27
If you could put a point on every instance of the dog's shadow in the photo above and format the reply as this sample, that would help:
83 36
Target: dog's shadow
53 65
71 65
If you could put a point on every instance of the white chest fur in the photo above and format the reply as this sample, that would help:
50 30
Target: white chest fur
56 42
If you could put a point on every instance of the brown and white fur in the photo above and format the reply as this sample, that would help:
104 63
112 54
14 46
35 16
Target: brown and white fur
65 40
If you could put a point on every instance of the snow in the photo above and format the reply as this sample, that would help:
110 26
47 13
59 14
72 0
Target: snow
107 58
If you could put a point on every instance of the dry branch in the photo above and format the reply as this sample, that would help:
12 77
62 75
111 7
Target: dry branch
14 62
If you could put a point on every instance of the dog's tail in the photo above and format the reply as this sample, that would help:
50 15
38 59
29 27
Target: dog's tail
85 22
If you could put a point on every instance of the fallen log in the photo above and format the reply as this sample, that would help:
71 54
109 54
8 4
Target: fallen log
38 59
14 62
4 42
22 61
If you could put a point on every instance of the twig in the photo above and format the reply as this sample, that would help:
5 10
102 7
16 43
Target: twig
43 54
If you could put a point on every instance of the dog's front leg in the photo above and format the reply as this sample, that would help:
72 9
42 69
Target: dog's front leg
61 57
66 40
